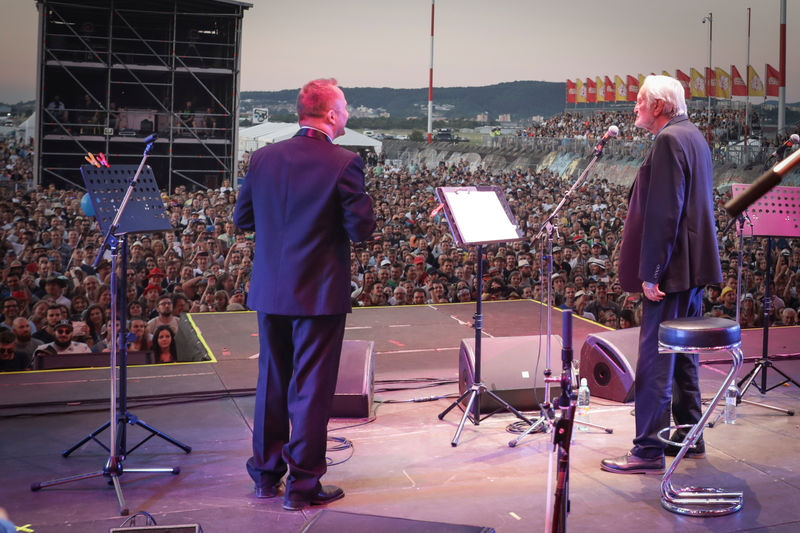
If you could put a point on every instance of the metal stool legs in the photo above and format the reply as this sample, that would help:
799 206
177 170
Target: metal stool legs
700 501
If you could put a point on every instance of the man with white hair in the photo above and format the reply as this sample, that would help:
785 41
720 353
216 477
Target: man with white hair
669 252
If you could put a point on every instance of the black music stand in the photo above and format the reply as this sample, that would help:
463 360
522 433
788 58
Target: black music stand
478 216
144 213
771 217
126 200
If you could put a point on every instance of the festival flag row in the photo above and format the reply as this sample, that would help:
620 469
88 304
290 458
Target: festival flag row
714 82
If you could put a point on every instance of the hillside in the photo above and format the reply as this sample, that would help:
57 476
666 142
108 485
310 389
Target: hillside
520 99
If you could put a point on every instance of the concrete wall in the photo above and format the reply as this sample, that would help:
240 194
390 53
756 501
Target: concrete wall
568 165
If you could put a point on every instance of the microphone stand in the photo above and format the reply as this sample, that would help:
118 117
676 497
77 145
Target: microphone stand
546 410
735 207
556 520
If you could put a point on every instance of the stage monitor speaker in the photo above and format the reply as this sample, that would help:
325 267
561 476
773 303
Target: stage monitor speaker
182 528
326 521
509 369
608 362
355 385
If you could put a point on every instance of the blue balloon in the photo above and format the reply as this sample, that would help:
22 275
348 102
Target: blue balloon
86 205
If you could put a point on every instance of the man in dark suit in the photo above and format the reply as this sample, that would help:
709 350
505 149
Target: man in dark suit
669 252
305 199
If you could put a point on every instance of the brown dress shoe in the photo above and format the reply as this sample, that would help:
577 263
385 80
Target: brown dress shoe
631 464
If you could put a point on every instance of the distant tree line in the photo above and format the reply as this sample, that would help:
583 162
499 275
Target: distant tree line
392 123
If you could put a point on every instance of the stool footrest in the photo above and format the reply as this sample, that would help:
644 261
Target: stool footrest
661 436
702 501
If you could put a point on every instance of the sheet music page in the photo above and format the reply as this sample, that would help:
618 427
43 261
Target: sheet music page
480 216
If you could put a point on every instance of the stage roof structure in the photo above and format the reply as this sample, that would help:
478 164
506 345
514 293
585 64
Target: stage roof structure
112 72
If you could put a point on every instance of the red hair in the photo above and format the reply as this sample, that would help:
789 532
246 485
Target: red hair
316 98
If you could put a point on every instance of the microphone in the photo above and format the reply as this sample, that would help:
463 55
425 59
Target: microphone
613 131
793 139
151 138
762 185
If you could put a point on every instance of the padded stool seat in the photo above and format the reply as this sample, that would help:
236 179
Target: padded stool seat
699 332
694 336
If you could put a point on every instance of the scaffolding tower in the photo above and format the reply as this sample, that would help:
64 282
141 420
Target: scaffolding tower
112 72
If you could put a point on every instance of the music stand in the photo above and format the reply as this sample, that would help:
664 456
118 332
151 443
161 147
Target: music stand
774 214
126 200
478 216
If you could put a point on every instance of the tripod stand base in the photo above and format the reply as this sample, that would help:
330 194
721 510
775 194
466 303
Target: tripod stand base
127 418
113 475
762 365
474 394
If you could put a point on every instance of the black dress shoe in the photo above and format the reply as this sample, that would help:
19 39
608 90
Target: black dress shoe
325 495
698 451
269 491
631 464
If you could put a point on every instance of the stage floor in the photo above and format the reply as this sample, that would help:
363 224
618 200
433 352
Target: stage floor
401 462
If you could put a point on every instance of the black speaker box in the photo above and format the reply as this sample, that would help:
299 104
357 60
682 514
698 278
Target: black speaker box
326 521
608 362
50 361
508 369
355 385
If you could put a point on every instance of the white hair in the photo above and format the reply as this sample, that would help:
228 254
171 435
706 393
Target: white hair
667 89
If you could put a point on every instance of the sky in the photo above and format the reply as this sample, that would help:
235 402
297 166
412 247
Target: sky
386 43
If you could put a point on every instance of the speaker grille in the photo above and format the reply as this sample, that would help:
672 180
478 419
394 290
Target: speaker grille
602 374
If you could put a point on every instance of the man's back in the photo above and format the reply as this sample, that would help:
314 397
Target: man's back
306 197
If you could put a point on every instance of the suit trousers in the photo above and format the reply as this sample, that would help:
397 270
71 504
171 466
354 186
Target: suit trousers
664 381
298 367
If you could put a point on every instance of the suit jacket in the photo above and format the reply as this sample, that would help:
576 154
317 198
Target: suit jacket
305 199
670 236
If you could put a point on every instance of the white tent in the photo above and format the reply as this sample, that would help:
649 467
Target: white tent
28 128
24 130
255 137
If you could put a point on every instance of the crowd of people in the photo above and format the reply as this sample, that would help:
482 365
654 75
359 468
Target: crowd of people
53 299
726 125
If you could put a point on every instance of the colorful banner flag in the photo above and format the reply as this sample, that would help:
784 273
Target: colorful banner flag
621 93
591 91
571 92
601 92
665 73
723 84
686 81
610 90
756 85
632 88
773 77
698 84
641 79
711 83
581 89
738 85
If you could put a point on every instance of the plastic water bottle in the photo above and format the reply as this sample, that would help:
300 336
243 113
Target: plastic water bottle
582 407
731 397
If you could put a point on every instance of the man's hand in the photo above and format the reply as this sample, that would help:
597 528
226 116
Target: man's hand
652 292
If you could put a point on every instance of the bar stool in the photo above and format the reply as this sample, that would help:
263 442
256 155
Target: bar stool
694 336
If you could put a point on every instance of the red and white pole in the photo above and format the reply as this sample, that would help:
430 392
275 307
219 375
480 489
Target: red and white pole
747 99
430 83
782 68
709 74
